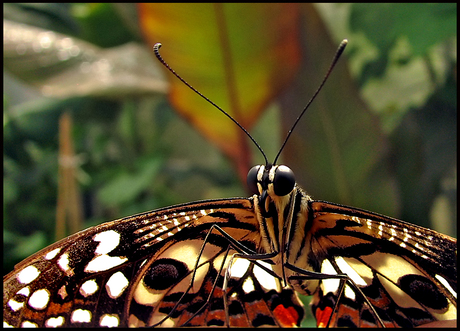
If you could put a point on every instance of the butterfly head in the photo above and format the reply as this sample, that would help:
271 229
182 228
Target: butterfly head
270 182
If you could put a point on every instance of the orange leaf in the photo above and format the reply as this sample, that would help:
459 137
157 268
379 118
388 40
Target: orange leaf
239 55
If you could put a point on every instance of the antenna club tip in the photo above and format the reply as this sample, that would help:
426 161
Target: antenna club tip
342 46
156 46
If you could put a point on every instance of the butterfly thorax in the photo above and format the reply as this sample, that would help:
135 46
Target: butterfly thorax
283 221
297 253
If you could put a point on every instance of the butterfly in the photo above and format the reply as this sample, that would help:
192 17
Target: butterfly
240 262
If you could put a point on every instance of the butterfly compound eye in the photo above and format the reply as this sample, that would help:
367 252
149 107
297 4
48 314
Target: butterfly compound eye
252 179
284 181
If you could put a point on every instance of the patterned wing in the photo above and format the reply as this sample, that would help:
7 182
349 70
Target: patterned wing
203 264
407 272
164 267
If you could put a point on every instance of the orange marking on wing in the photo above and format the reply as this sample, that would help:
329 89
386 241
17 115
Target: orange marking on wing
322 317
288 317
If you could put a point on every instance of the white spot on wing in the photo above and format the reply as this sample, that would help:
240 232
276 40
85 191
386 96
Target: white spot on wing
27 275
332 285
88 288
347 269
109 320
108 241
52 254
54 322
264 278
248 285
28 324
239 267
116 284
14 305
349 293
380 229
80 316
329 285
25 291
39 299
104 262
63 263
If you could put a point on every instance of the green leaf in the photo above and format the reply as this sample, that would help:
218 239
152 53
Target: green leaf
24 246
128 186
383 23
425 147
100 24
337 150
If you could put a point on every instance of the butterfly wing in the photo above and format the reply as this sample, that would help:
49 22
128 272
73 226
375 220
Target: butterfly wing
254 298
407 272
162 267
167 267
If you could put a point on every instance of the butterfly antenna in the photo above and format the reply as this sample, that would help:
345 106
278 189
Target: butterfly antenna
156 50
337 55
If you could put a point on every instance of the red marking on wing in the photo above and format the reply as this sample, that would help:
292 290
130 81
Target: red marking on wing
287 317
323 316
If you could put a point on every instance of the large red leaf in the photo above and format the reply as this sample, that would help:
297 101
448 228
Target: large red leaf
239 55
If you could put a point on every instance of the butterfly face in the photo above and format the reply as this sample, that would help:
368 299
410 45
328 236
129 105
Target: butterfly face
278 180
270 183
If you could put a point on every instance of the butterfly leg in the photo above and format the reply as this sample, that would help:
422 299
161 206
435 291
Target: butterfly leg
253 260
344 279
226 246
